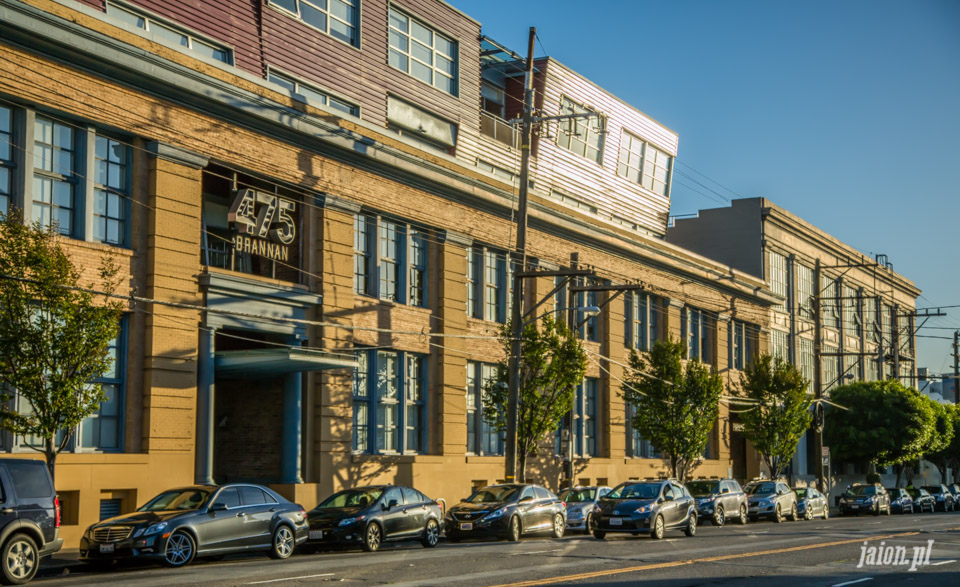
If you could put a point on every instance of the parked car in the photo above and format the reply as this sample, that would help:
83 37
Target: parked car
719 499
900 500
955 490
771 499
580 503
370 516
635 507
945 502
865 497
922 500
507 511
811 503
29 519
201 520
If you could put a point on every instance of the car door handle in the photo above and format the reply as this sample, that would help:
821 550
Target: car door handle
6 511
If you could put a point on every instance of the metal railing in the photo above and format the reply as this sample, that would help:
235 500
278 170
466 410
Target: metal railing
499 129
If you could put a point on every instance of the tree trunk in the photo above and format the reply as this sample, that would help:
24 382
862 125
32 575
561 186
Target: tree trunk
521 467
899 469
50 453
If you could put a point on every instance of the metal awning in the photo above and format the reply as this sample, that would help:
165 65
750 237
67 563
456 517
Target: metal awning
264 363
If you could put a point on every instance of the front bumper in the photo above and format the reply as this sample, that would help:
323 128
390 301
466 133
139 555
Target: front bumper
856 508
496 528
148 548
762 510
332 535
631 524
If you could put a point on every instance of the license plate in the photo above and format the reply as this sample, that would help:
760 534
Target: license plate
466 526
854 507
106 548
616 521
316 534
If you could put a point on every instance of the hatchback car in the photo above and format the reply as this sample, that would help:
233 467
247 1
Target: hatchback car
201 520
719 499
507 511
955 490
636 507
900 500
580 503
811 503
945 502
771 499
864 497
922 500
370 516
29 519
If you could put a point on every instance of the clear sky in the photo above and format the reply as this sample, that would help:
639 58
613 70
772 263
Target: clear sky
845 112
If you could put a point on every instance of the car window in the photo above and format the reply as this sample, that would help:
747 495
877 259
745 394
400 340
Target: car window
579 495
252 496
635 491
668 491
351 498
30 479
393 494
604 492
411 496
229 497
3 494
269 498
527 492
761 488
542 493
494 494
734 486
700 488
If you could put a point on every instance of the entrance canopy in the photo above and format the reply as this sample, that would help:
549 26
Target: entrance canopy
265 363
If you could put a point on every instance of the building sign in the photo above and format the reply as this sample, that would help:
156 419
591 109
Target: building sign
264 223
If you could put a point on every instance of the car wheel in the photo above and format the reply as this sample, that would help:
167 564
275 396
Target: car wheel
876 510
283 543
373 537
777 515
599 535
558 526
826 512
588 524
513 532
888 509
691 529
718 517
743 514
431 534
794 514
21 559
657 532
179 550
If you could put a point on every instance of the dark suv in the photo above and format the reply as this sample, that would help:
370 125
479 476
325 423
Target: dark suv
945 501
865 497
29 519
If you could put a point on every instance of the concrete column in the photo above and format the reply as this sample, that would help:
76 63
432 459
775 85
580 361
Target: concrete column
292 418
205 407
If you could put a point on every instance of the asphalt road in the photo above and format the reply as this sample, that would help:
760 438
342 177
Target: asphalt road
818 552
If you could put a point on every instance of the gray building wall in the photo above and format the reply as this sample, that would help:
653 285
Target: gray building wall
733 236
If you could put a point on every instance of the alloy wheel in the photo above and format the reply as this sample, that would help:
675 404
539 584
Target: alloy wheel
179 550
718 517
558 526
743 514
372 537
514 533
21 559
283 543
777 516
657 532
431 535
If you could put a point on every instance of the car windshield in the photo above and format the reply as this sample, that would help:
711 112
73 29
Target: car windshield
176 499
698 488
351 498
494 494
577 495
801 492
762 489
636 491
862 490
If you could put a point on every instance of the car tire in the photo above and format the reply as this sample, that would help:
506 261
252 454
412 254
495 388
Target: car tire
794 514
808 513
514 530
599 535
826 512
777 515
888 510
743 514
558 526
21 559
691 529
587 524
372 537
283 543
179 550
876 510
431 534
657 532
718 517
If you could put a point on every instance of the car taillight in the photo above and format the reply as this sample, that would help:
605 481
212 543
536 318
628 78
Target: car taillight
56 510
563 504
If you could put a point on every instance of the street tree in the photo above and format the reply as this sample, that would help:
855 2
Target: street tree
54 336
779 413
552 363
675 405
948 455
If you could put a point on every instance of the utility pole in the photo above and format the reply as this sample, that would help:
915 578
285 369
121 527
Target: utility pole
817 382
571 425
956 367
516 318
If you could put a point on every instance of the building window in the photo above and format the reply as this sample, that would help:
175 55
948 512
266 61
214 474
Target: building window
6 159
805 359
831 368
644 164
744 339
906 336
696 326
422 52
889 326
489 285
171 35
389 398
54 179
585 404
642 320
104 429
638 447
584 135
574 202
499 172
482 437
779 345
805 291
830 302
398 272
852 367
111 191
589 327
777 276
307 93
870 325
852 318
337 18
493 99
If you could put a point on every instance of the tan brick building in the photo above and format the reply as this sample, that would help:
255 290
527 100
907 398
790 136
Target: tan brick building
317 229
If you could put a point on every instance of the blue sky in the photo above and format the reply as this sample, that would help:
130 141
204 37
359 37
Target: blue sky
845 112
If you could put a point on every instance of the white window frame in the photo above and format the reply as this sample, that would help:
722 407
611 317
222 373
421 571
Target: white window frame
164 23
570 130
296 86
393 13
329 14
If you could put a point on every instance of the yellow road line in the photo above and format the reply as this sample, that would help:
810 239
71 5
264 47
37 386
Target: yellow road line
667 565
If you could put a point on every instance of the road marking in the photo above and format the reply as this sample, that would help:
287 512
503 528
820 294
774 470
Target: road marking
291 578
668 565
536 552
942 563
852 582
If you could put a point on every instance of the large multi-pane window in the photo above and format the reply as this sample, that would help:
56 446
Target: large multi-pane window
6 159
584 418
830 302
590 326
489 284
54 175
582 135
390 260
642 320
805 291
805 357
743 344
644 164
831 368
889 325
422 52
389 400
111 191
852 318
482 437
103 430
779 345
778 277
306 92
870 325
338 18
172 35
851 366
695 326
637 446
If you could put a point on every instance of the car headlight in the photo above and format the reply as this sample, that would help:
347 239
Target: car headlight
349 521
642 509
154 528
498 513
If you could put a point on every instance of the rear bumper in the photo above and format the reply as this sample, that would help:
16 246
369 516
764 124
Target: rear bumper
51 547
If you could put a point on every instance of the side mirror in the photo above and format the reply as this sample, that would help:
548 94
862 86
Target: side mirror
218 507
667 498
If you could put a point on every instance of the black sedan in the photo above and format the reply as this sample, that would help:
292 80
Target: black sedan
203 520
922 500
945 502
507 511
370 516
646 506
900 500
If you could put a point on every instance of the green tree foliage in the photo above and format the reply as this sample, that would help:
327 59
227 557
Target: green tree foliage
949 453
676 406
884 423
54 336
552 363
782 410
